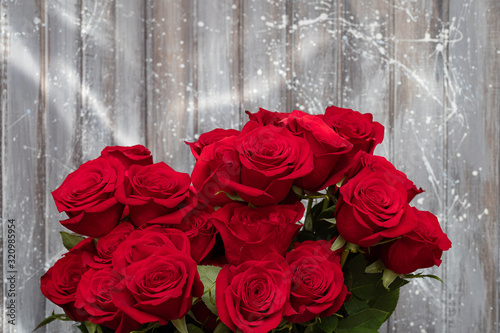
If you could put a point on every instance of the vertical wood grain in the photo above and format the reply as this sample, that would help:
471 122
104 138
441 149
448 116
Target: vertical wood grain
419 136
472 85
315 30
23 154
171 113
98 76
63 145
129 116
365 68
218 67
266 63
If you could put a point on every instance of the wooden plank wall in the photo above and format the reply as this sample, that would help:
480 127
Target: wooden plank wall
77 75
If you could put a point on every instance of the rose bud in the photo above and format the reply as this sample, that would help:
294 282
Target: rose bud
60 282
265 117
157 194
358 128
107 245
142 243
163 286
420 248
217 165
373 205
253 297
318 288
331 153
135 155
271 159
87 196
95 295
200 231
208 138
252 233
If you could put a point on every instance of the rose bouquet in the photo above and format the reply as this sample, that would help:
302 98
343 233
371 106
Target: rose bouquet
289 225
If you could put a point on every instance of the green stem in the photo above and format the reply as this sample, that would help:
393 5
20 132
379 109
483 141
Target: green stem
308 222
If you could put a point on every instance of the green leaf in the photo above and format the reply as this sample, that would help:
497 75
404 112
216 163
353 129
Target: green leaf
222 328
329 324
70 240
91 327
338 244
387 302
180 324
359 322
355 305
208 276
388 277
150 327
420 275
194 329
234 197
51 318
376 267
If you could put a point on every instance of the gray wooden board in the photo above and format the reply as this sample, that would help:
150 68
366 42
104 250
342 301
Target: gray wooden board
78 75
63 144
23 160
419 134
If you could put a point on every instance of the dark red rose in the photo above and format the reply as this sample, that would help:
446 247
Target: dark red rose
142 243
200 231
253 297
163 285
135 155
208 138
252 233
95 295
60 282
331 153
157 194
271 159
107 245
357 128
420 248
373 206
265 117
317 281
379 163
87 196
217 165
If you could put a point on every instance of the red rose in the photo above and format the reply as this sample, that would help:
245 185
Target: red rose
253 296
60 282
87 196
107 245
157 194
208 138
163 286
271 159
371 206
141 243
357 128
135 155
200 231
252 233
420 248
217 165
379 163
265 117
317 281
331 153
95 295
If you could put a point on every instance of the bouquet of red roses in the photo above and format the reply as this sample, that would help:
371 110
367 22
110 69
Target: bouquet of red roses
289 225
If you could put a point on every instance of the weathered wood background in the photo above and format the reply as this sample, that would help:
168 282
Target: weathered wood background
77 75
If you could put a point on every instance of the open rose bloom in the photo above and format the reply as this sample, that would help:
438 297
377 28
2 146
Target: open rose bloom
290 225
